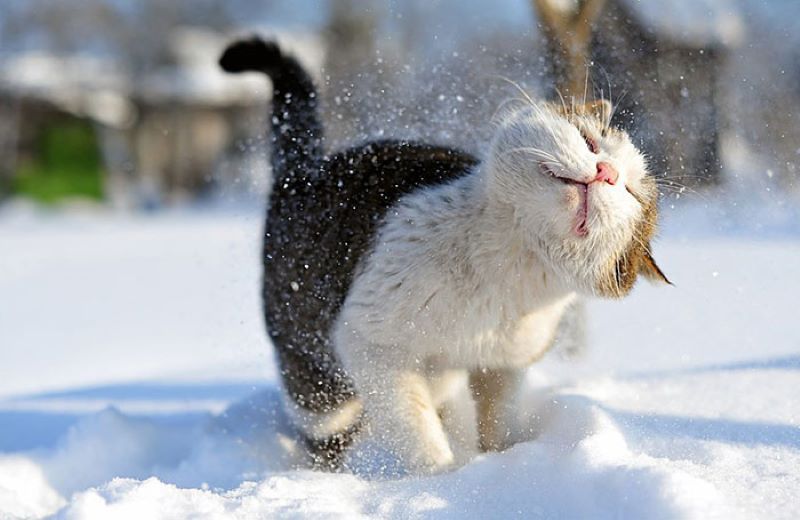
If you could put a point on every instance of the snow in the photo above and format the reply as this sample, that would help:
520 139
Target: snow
84 310
137 383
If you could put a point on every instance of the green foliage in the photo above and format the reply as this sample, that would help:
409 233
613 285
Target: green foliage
66 163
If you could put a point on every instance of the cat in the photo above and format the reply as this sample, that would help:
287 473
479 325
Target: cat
407 286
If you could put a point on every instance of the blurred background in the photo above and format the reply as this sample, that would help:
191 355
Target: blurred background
120 104
133 172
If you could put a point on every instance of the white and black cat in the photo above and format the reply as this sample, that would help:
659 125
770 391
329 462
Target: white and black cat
407 286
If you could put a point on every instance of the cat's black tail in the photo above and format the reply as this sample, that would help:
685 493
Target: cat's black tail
296 126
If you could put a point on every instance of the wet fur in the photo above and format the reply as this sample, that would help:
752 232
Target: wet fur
401 277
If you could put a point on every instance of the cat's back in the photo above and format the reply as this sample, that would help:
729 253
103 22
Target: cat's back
320 224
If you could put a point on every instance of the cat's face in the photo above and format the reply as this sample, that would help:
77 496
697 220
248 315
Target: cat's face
580 192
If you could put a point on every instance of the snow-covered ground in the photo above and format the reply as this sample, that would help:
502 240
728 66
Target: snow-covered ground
136 382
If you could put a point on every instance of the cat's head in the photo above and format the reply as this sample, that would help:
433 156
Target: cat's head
579 191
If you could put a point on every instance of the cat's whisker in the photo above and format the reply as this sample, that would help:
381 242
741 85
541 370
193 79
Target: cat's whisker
519 88
614 107
678 194
563 103
669 183
684 176
557 166
550 158
539 151
675 188
505 103
543 157
610 94
531 149
585 84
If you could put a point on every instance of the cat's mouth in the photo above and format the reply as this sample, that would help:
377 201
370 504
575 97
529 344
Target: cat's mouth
581 227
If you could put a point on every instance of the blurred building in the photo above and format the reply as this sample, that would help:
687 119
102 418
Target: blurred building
159 137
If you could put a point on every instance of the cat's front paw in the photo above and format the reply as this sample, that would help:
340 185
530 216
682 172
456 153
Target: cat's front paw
429 460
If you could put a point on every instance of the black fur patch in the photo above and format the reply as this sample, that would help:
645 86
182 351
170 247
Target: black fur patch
318 228
323 213
328 454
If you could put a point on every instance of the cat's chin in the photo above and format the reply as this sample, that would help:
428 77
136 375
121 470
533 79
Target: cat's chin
582 260
585 207
581 227
580 194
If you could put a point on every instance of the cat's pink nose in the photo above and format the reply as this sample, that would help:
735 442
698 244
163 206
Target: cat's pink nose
606 173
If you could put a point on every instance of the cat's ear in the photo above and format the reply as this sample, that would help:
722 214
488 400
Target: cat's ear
601 109
650 270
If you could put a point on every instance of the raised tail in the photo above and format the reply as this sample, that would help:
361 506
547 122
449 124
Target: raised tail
296 126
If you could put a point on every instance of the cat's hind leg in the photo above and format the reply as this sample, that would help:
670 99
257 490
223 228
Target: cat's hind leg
327 433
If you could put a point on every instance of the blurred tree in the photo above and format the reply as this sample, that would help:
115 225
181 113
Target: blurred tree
9 138
66 164
568 27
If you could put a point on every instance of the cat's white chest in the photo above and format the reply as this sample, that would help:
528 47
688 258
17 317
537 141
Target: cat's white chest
514 317
533 334
450 286
427 314
515 337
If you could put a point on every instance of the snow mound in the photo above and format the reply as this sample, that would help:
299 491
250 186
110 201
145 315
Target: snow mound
573 461
24 490
112 402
